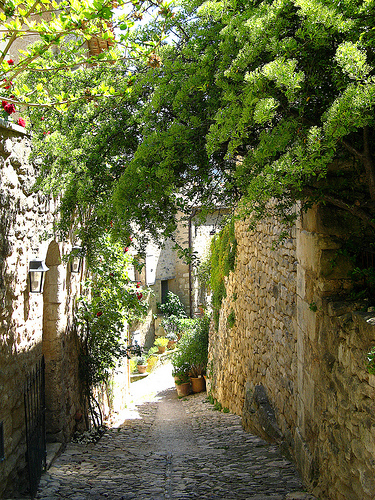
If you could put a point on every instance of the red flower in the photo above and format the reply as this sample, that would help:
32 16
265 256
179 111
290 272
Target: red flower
98 314
42 118
111 274
4 103
138 284
10 83
9 108
126 249
139 295
21 122
10 62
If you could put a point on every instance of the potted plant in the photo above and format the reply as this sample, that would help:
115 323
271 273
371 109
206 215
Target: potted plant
161 343
197 353
172 339
182 379
141 364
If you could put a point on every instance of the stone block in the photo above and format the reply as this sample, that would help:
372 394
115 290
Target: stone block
306 319
334 266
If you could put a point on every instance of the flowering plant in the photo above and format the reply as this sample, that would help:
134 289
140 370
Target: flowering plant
109 303
8 109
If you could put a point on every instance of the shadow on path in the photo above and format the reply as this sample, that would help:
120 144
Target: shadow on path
171 449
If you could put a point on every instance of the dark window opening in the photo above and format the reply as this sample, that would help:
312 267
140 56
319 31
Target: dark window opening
164 291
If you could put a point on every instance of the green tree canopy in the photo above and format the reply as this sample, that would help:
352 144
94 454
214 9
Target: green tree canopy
298 95
254 99
49 37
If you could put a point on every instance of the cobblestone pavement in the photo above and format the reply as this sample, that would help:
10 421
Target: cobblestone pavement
177 450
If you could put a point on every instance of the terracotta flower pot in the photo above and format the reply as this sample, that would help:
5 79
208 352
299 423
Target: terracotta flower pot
198 384
161 349
142 368
183 389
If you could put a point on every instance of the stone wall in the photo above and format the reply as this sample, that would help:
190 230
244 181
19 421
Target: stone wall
31 324
293 363
261 346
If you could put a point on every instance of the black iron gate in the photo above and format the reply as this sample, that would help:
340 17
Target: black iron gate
35 425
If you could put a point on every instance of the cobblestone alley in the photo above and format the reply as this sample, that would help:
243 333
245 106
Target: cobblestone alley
166 448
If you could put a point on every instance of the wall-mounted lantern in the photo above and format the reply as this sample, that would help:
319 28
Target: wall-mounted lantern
37 268
76 259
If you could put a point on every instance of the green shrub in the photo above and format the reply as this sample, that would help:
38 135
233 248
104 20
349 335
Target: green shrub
181 373
231 319
222 258
133 364
193 348
172 306
371 361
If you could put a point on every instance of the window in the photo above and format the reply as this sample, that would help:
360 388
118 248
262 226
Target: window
164 291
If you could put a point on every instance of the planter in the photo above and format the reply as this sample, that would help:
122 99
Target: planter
198 384
183 389
161 349
142 368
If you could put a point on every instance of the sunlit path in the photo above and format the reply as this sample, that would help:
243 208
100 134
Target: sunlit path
168 448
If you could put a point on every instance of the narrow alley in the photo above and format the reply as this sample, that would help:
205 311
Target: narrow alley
165 448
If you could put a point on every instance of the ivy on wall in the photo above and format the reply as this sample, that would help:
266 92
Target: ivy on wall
222 259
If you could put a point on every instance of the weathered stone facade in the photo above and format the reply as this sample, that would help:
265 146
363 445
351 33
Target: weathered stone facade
32 324
262 294
294 362
164 268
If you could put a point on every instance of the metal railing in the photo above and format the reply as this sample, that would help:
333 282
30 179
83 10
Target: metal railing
35 425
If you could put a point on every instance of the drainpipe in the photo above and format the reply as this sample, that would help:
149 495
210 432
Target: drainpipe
190 238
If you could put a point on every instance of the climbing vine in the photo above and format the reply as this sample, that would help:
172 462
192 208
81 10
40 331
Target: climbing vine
222 260
110 301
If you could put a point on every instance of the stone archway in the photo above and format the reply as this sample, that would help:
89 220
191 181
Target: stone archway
54 329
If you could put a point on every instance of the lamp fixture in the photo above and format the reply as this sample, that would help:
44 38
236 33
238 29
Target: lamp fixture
76 259
37 268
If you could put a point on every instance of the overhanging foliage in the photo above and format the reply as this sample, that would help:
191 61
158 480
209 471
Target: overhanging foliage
255 99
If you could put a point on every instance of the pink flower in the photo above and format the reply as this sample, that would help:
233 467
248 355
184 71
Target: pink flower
21 122
10 62
9 108
42 118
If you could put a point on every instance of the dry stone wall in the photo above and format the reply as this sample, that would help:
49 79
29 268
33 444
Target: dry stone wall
261 345
293 363
31 324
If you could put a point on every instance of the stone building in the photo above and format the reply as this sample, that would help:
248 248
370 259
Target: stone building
165 270
294 361
32 324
